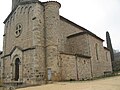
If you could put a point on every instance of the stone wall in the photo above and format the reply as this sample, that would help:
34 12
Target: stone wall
7 69
28 65
1 67
22 15
107 61
84 68
98 57
75 67
38 54
68 67
28 46
66 29
78 44
87 44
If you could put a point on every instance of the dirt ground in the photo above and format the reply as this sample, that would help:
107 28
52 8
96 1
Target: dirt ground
111 83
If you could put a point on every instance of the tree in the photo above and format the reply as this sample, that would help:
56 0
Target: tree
109 45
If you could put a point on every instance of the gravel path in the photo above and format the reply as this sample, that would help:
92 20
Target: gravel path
112 83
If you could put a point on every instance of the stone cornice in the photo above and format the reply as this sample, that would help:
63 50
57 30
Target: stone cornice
106 48
82 33
79 55
76 34
26 49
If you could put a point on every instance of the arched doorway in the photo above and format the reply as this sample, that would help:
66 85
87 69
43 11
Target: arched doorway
17 63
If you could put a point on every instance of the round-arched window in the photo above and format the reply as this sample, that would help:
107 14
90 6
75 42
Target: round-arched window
17 63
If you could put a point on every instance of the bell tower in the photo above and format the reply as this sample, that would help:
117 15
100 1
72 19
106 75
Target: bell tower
15 3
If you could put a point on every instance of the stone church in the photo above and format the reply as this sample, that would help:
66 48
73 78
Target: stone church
39 45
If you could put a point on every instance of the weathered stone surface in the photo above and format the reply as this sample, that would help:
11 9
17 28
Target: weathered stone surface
52 24
78 47
75 67
37 36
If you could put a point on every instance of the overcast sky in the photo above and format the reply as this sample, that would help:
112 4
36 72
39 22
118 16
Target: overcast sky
97 16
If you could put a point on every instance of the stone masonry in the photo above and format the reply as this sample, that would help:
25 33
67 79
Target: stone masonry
40 45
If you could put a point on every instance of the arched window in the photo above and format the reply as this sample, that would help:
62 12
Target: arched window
96 48
17 63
